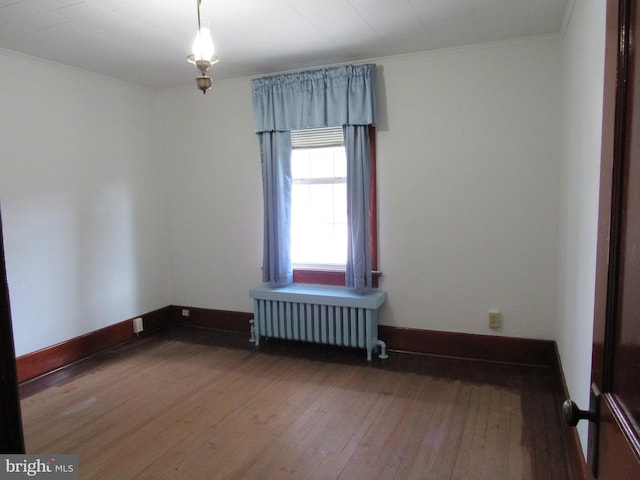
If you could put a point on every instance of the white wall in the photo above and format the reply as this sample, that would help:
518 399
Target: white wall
583 73
468 167
214 194
81 189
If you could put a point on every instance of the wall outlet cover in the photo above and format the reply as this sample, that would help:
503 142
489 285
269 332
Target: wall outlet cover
494 319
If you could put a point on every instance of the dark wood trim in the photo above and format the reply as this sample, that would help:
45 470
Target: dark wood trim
612 146
211 319
452 344
373 203
618 174
625 424
466 345
48 359
327 277
618 447
462 345
611 440
11 434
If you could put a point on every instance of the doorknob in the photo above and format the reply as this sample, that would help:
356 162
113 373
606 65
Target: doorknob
572 414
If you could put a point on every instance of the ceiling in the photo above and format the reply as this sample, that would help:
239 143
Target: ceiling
147 41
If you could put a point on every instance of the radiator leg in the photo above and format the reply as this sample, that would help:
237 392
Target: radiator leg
383 350
253 331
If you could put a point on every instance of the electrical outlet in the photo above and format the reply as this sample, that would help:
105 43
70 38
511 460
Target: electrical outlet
494 319
137 325
185 312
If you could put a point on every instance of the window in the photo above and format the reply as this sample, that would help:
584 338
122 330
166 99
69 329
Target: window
319 226
318 199
345 96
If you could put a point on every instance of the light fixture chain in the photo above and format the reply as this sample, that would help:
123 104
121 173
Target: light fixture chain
199 26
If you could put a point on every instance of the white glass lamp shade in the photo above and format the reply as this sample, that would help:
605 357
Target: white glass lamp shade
203 54
203 45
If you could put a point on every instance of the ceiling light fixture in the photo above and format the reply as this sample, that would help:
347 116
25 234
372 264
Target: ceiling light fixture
203 54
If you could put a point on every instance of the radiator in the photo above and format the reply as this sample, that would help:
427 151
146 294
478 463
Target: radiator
318 314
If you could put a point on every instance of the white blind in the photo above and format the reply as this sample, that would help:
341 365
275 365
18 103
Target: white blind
317 137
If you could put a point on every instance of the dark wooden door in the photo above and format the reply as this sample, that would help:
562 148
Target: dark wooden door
11 437
614 436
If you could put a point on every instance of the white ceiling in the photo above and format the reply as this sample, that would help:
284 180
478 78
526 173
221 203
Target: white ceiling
147 41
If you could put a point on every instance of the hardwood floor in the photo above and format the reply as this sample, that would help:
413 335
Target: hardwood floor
192 404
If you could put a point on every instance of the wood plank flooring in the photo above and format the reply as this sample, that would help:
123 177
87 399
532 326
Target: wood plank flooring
190 404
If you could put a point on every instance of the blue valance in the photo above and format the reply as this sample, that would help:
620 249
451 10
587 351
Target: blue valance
329 97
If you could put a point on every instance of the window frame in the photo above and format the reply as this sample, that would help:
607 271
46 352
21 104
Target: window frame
337 276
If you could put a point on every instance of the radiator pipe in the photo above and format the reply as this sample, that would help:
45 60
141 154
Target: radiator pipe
253 330
383 350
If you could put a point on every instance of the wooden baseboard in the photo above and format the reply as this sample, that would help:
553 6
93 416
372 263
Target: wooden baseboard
211 319
466 345
463 345
48 359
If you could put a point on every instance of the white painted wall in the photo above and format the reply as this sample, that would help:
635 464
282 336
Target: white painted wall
214 194
468 167
582 77
82 192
